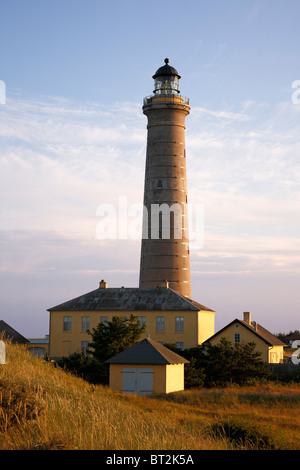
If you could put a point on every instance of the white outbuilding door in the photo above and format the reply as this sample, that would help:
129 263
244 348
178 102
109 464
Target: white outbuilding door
138 380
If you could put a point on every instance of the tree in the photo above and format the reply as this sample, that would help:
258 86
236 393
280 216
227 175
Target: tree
112 337
226 363
193 376
285 337
108 339
248 364
86 367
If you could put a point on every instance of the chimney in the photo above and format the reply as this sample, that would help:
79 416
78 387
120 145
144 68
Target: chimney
103 284
247 317
165 283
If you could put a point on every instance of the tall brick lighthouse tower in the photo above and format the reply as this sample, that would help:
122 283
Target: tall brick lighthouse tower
163 300
165 239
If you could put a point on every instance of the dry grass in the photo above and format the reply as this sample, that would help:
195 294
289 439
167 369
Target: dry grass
43 407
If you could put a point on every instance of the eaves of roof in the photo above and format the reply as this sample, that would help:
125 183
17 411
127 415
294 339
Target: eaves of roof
147 351
11 333
261 332
130 299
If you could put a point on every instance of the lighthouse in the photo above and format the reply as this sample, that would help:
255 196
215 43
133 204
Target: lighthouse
165 258
163 300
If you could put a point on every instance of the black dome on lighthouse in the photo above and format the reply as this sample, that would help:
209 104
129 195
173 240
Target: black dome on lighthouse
166 70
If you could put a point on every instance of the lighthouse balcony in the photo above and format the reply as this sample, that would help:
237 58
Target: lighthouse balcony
163 98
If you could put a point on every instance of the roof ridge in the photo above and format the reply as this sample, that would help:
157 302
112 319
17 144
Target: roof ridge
183 298
190 301
138 354
110 298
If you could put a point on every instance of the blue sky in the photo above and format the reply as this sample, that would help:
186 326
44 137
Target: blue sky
73 137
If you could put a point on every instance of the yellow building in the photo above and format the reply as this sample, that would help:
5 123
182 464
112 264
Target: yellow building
247 331
39 347
169 317
146 367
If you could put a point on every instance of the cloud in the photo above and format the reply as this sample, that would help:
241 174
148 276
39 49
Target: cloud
61 161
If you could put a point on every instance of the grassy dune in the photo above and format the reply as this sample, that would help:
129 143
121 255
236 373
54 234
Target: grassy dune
43 407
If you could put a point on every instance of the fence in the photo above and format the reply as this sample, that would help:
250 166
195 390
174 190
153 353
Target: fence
285 371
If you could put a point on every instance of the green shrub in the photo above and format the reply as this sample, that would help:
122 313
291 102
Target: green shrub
226 363
85 367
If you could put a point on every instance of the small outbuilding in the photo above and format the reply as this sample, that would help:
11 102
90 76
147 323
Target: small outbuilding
146 367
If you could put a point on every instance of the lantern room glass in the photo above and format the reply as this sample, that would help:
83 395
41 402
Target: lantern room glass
166 85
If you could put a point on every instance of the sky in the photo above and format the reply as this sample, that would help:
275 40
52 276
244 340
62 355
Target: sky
73 140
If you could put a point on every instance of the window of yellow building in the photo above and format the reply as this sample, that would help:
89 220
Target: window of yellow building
85 323
179 324
142 320
237 338
84 346
67 325
160 324
36 351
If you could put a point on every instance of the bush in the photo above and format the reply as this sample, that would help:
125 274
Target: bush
85 367
226 363
243 435
193 377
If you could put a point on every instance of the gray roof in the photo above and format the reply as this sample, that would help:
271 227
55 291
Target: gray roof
39 340
166 70
11 334
147 351
130 299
